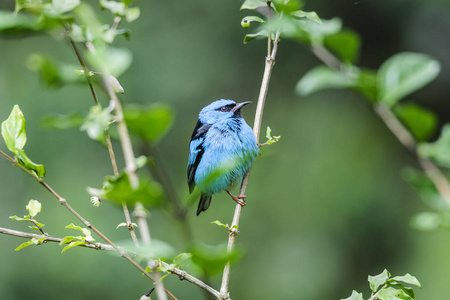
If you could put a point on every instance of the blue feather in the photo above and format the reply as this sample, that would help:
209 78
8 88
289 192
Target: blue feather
222 149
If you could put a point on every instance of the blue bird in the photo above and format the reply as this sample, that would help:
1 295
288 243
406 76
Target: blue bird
222 149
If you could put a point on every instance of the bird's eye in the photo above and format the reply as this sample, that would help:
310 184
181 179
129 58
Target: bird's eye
223 108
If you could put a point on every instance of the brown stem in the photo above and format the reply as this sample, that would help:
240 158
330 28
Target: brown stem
85 70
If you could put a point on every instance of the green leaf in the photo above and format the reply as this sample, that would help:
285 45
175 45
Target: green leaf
366 83
355 296
183 259
212 259
315 33
18 25
150 123
73 244
62 122
409 279
288 27
426 221
245 23
68 239
34 207
86 232
167 268
271 139
96 123
52 73
378 280
39 224
33 5
257 35
286 6
124 224
119 189
13 130
33 241
113 61
323 77
25 161
391 293
116 8
132 14
345 44
425 188
438 151
62 6
253 4
312 16
141 161
27 218
403 74
421 122
217 222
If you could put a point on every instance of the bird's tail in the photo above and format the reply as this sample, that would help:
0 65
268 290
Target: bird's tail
205 201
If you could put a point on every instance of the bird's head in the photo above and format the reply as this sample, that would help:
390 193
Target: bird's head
220 110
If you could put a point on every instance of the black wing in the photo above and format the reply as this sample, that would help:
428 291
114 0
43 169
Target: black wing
200 130
196 152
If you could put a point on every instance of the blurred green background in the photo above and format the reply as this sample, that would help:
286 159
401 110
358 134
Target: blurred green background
326 205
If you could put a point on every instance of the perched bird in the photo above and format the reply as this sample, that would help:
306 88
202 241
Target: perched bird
222 149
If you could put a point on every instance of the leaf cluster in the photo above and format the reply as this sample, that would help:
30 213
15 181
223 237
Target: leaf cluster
386 287
33 207
390 86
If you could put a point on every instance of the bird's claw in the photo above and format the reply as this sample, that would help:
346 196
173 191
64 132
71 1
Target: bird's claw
239 199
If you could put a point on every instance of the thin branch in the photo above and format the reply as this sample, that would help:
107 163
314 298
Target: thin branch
326 57
64 202
131 169
124 205
85 70
49 238
108 138
183 275
269 63
398 129
407 140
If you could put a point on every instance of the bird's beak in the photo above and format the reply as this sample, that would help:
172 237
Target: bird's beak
239 106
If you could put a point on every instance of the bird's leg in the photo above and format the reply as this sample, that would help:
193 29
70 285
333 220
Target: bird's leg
239 199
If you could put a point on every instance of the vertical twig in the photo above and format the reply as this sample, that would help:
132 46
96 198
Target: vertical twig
85 70
131 168
269 63
129 161
108 139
